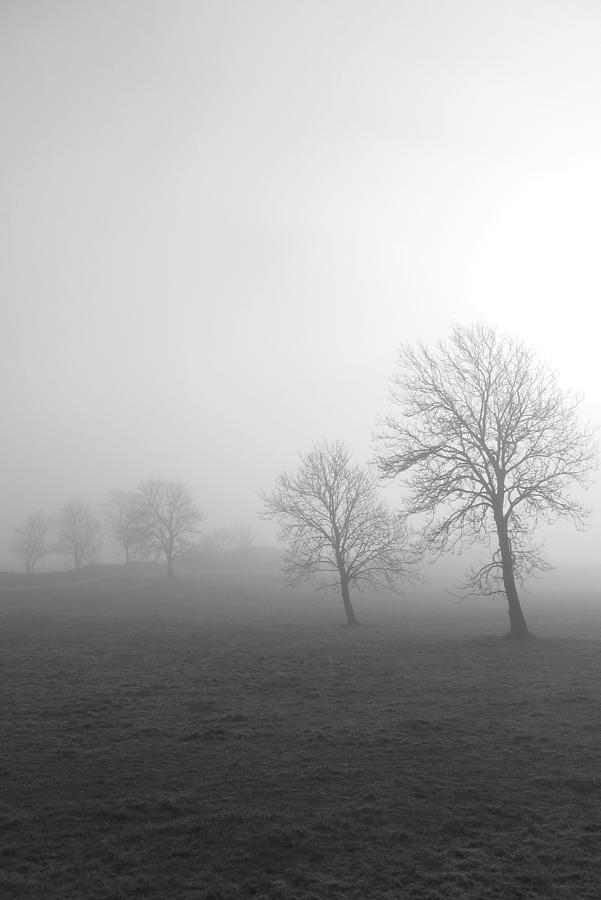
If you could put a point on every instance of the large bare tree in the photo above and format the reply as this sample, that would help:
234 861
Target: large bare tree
491 447
170 519
335 526
31 540
78 533
125 522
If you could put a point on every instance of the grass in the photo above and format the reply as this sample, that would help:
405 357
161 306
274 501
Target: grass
162 746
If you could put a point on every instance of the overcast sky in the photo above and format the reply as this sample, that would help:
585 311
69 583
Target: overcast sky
221 219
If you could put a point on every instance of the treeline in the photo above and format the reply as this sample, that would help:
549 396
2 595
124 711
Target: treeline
158 520
486 446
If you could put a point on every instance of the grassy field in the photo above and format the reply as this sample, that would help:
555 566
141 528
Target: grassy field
202 741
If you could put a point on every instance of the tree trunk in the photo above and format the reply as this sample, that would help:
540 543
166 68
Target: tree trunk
518 630
351 619
169 565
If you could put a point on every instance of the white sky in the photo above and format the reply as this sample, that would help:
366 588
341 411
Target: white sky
221 219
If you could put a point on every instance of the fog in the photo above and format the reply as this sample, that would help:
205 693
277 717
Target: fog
221 219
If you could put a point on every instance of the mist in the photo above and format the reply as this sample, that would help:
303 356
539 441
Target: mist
221 222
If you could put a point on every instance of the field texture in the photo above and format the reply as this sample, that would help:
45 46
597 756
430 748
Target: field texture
167 751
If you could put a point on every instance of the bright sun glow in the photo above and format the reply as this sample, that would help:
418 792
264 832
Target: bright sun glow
540 266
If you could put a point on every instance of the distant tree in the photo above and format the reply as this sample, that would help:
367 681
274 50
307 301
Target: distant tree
492 446
125 522
78 533
217 540
335 525
31 540
238 537
243 537
170 519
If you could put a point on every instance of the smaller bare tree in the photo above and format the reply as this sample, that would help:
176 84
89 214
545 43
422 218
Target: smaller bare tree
78 533
31 540
125 522
170 519
335 526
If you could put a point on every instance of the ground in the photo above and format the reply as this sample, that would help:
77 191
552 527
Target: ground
155 745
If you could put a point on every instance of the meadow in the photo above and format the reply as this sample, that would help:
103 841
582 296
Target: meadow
215 739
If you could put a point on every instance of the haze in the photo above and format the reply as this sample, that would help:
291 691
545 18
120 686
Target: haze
221 219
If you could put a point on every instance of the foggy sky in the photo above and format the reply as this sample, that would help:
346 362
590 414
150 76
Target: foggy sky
221 219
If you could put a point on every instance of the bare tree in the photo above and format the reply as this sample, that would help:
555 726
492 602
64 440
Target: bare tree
78 533
243 537
335 525
125 522
31 540
238 537
492 447
217 540
170 519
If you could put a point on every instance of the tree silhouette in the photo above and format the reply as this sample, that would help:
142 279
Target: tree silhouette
335 525
78 533
125 522
170 519
491 446
31 540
